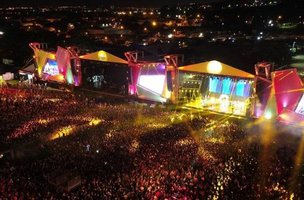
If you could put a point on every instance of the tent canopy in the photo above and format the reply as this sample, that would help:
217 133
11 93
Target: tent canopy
29 69
104 57
217 68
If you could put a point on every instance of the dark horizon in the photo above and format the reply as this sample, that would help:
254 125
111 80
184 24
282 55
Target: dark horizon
136 3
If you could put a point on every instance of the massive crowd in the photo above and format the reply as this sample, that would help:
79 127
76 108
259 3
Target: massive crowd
137 152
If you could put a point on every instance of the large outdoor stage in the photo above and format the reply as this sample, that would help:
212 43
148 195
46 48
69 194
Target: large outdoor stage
210 85
217 87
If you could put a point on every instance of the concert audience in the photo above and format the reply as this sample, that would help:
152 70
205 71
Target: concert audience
135 152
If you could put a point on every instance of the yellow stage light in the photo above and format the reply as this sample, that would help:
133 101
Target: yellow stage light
43 121
94 122
62 132
102 55
214 67
268 115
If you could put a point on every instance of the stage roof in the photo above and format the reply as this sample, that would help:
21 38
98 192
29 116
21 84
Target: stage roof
217 68
29 69
104 57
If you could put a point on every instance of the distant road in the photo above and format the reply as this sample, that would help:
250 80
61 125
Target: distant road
298 62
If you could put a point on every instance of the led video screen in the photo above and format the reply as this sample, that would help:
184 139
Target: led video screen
152 77
300 106
51 68
155 83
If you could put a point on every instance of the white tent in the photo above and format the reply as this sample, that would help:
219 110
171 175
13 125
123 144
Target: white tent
28 70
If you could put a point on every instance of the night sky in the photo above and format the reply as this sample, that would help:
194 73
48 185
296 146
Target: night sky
150 3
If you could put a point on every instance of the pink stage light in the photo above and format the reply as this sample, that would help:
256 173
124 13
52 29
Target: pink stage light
154 83
131 90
